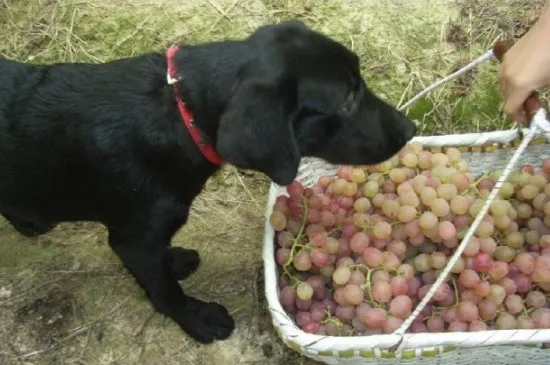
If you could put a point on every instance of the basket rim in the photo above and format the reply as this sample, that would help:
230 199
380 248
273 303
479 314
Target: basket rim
315 344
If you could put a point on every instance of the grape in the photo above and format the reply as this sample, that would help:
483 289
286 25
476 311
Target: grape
392 324
485 229
513 304
446 230
523 283
422 262
482 262
439 158
341 275
398 248
482 289
381 291
359 242
390 208
401 306
303 305
381 276
374 318
514 240
502 222
506 321
535 299
467 311
487 310
370 189
458 326
278 220
509 285
498 270
438 260
406 213
459 204
496 294
353 294
447 191
410 160
525 323
302 261
427 221
295 190
504 254
477 325
399 285
428 195
382 230
468 278
541 273
304 291
311 327
282 256
357 278
319 257
440 207
376 239
541 318
525 262
435 324
358 176
410 198
362 205
345 312
397 175
287 295
529 191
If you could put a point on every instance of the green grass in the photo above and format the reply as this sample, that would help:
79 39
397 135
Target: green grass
403 46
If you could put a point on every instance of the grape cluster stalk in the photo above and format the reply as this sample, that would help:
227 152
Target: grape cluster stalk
357 251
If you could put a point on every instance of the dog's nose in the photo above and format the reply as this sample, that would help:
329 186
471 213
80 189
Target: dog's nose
408 130
411 130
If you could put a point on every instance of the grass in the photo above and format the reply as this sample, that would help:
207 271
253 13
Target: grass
65 298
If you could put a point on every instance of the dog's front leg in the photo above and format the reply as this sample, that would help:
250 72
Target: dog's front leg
157 268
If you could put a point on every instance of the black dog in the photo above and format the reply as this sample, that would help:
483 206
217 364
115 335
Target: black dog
107 142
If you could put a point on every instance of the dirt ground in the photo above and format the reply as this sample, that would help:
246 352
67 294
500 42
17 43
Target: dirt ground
66 299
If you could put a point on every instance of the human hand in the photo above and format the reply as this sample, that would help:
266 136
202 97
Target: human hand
525 67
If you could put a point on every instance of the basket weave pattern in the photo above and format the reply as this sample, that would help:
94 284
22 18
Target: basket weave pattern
483 151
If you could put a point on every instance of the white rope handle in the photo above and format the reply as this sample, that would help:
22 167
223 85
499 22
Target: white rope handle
481 59
541 122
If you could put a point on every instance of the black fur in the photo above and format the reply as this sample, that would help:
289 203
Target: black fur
89 142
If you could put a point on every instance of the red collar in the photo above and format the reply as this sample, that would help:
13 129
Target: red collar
206 148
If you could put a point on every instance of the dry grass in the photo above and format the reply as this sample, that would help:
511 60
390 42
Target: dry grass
64 297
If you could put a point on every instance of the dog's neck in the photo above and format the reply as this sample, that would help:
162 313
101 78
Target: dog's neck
208 74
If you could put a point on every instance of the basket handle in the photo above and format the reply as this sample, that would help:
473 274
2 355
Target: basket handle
532 104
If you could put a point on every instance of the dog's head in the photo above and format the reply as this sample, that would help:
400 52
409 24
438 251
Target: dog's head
302 95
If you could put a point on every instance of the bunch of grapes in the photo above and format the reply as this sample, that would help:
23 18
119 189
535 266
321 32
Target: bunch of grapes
358 251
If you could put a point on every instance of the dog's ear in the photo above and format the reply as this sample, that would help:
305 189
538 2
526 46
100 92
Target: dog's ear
255 132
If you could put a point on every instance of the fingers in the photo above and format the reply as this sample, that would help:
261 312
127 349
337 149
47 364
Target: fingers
513 94
513 105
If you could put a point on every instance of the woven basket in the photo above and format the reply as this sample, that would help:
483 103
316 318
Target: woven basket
483 151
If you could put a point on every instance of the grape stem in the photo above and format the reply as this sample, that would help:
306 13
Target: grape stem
295 244
455 289
367 285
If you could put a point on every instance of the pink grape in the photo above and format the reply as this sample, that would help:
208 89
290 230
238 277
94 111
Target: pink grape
375 318
359 249
381 291
401 306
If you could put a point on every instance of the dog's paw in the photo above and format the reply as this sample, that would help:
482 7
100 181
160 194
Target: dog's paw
208 322
182 262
